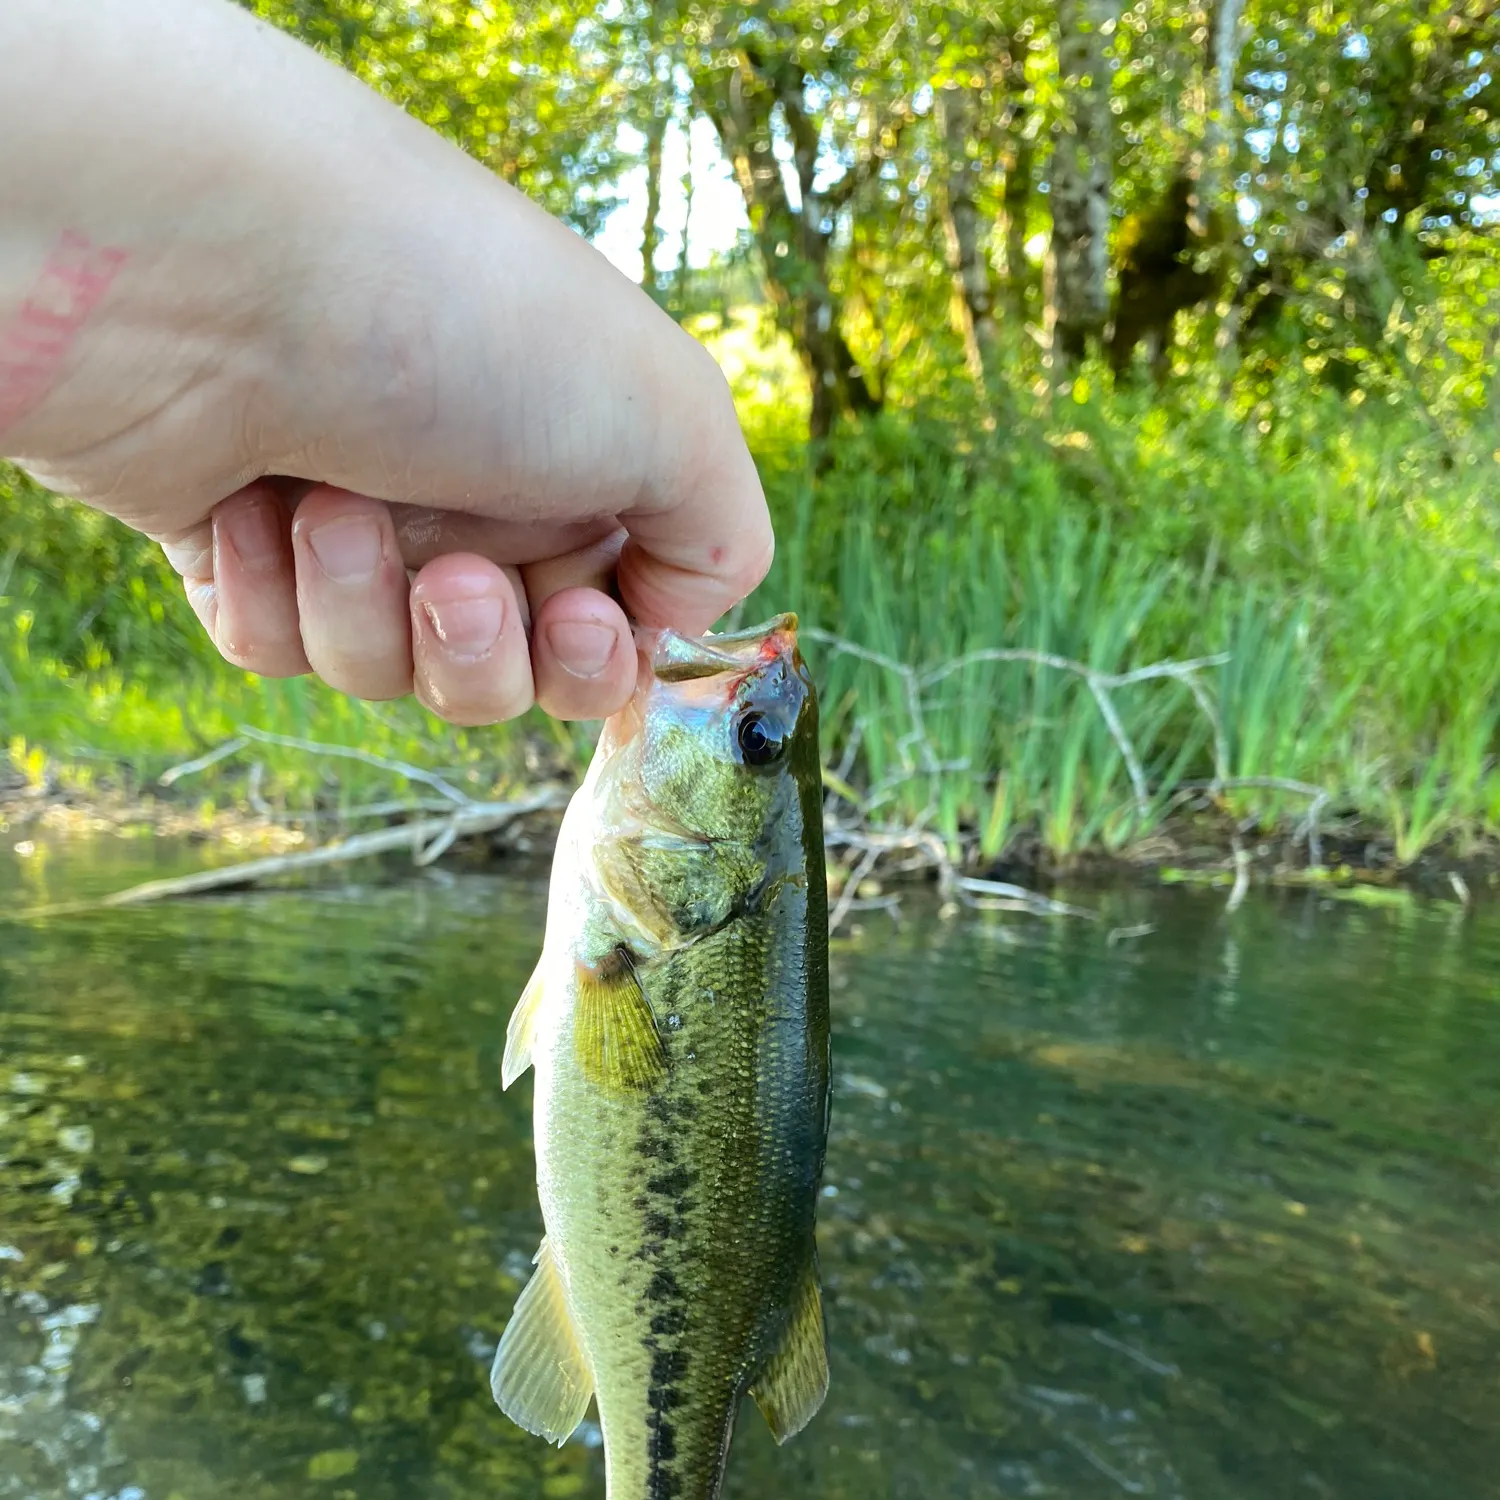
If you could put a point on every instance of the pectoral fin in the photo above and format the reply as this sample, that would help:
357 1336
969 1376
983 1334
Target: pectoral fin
615 1034
540 1378
792 1383
521 1032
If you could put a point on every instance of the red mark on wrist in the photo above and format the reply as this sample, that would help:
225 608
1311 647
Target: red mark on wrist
36 341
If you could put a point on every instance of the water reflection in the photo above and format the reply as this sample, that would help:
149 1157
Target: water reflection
1212 1211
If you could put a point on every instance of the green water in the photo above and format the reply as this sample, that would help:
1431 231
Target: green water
1208 1212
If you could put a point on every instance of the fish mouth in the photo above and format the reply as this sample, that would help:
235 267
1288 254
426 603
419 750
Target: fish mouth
664 656
671 657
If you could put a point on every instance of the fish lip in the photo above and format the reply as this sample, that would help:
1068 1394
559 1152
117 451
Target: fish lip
670 656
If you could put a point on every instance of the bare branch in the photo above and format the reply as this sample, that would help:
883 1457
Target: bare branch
1032 901
389 808
1123 744
252 791
479 817
1307 828
1241 877
351 752
1099 683
203 762
1211 713
857 878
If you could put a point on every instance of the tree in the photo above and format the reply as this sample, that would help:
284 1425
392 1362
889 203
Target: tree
967 236
1173 252
755 87
1017 127
1082 175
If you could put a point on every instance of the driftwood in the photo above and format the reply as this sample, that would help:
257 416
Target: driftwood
427 839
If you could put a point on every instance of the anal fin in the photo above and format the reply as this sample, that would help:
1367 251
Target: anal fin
615 1036
794 1380
521 1033
540 1378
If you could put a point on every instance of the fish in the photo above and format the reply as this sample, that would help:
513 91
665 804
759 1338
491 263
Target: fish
677 1025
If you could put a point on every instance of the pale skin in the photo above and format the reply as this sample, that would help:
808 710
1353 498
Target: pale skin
391 423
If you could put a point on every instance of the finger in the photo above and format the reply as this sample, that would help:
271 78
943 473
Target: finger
256 624
469 641
191 554
613 412
352 594
583 657
582 652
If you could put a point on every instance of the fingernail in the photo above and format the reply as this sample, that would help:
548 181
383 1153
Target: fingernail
468 628
581 648
256 531
347 550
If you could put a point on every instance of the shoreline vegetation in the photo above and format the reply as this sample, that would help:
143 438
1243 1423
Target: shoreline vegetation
1112 635
1109 636
1245 666
1199 843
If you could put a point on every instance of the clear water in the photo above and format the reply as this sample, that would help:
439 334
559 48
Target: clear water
1210 1213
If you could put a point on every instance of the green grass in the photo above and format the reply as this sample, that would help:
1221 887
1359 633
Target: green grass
1349 570
1351 576
105 675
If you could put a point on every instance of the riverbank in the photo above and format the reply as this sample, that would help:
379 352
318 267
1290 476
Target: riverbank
869 869
1121 635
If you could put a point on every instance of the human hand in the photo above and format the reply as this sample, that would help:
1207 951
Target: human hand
308 345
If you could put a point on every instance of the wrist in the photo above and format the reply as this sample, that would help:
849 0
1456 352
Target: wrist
147 258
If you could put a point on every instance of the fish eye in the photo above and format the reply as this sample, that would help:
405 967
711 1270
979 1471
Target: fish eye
760 744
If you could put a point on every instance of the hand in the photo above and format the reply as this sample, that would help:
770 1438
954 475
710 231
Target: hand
307 345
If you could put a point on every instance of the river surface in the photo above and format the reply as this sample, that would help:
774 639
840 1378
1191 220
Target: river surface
1210 1211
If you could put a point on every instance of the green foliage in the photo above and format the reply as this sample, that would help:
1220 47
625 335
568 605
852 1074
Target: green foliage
1363 634
535 92
1346 568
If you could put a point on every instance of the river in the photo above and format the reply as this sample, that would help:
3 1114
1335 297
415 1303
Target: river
1204 1212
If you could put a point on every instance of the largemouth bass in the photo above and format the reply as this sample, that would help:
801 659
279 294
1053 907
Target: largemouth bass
678 1026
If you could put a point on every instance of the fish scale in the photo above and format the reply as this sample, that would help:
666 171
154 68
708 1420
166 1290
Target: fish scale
681 1094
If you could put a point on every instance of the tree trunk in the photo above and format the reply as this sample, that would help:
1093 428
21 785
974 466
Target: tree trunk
656 132
1082 171
968 258
1225 40
683 270
1015 202
1018 160
793 242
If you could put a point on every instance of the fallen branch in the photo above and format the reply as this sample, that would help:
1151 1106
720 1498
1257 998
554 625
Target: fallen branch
1241 878
365 757
1307 828
856 878
175 774
478 817
1024 899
